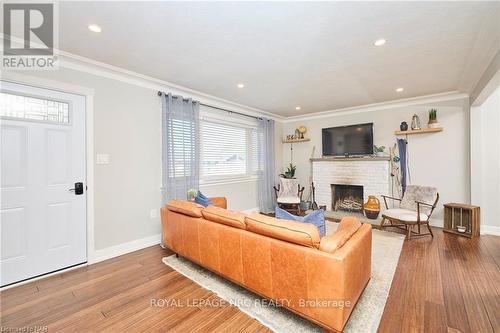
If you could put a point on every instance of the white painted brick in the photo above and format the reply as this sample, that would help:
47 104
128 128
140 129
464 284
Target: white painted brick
374 176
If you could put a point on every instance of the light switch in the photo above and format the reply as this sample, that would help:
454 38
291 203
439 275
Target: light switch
102 159
152 213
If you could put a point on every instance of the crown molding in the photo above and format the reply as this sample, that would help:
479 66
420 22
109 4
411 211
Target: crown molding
441 97
83 64
87 65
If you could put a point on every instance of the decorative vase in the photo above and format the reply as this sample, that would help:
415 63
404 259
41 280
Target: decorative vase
403 126
434 125
372 207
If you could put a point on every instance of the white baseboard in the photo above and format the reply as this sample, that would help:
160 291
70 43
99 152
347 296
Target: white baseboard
121 249
490 230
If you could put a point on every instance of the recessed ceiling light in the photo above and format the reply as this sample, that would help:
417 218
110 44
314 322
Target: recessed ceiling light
240 85
400 89
95 28
379 42
297 108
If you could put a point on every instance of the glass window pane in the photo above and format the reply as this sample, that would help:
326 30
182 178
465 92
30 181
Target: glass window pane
24 107
223 150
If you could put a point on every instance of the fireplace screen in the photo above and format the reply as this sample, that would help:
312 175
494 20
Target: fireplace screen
347 197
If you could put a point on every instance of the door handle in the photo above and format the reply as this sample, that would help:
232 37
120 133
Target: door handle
78 189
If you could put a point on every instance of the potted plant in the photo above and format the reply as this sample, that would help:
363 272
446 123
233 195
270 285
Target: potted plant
290 172
433 122
191 194
379 150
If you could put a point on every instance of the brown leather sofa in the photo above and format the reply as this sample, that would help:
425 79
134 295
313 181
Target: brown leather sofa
320 279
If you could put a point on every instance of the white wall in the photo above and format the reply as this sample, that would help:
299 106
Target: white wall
437 159
485 163
127 126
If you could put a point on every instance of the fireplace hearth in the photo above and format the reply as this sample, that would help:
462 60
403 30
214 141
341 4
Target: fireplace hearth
347 197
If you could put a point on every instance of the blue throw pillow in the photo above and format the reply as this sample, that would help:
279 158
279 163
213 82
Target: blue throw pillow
317 218
202 200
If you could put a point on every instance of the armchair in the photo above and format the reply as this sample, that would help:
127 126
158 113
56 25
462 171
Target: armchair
415 208
289 195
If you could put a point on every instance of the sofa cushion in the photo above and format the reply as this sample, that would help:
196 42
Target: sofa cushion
201 199
290 231
404 214
224 216
316 218
413 193
347 227
185 207
288 200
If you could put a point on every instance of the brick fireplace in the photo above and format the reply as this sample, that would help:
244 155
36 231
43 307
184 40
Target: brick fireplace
371 173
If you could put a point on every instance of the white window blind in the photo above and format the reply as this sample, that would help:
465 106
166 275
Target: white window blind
224 150
181 144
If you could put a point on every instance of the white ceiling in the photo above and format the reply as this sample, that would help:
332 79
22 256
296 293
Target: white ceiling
316 55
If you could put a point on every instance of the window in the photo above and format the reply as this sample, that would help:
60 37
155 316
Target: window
31 108
228 149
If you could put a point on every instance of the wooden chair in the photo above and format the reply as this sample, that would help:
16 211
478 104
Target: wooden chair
286 197
416 207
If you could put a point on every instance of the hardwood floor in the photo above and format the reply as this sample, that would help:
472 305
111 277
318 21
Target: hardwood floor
449 284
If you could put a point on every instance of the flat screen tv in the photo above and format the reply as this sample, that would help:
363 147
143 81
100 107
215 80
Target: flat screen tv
354 140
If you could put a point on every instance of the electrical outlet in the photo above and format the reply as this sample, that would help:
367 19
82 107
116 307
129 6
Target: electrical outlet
153 214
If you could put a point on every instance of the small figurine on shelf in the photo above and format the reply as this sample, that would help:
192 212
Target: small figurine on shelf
415 122
302 130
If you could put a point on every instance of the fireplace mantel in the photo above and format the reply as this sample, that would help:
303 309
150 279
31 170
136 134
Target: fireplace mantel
357 159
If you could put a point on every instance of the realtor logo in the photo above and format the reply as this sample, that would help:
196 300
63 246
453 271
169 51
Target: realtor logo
29 36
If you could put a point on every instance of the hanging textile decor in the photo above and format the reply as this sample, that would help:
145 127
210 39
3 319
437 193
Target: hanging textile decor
395 173
403 162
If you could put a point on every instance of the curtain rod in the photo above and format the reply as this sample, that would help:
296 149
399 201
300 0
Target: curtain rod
218 108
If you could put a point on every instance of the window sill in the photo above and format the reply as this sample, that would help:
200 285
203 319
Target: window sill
228 181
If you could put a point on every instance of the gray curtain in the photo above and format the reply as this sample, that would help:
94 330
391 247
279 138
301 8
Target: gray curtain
180 146
265 130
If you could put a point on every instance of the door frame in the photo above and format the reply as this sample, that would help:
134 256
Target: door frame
88 93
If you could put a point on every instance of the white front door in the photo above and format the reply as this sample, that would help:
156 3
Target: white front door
43 219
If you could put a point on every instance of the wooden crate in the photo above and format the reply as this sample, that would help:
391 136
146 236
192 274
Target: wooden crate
456 214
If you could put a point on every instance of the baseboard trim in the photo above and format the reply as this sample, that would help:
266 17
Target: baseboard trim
121 249
490 230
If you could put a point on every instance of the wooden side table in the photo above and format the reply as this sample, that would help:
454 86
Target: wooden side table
456 214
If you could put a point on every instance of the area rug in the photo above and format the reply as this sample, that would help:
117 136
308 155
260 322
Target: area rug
365 317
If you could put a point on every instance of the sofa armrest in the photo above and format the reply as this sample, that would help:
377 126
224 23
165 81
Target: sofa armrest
219 202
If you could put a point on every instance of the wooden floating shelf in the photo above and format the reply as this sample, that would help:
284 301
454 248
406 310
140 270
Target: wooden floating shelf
420 131
296 140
